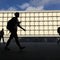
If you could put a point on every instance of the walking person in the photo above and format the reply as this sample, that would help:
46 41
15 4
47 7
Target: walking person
58 30
12 27
2 35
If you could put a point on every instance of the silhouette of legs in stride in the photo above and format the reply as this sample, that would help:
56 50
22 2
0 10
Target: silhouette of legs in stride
16 39
2 35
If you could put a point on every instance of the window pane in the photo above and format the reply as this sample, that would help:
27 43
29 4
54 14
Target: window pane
5 14
49 14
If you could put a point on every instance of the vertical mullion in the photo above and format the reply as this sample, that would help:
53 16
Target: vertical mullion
34 23
25 23
48 22
57 19
20 19
43 24
38 25
52 21
6 22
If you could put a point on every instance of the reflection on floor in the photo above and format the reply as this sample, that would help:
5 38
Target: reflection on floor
33 51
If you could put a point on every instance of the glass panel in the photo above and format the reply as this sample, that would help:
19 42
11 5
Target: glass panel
27 28
32 28
1 19
36 23
50 27
41 23
0 23
31 14
40 14
27 14
32 23
36 32
32 19
27 23
45 14
46 28
58 14
45 32
23 23
23 19
50 32
54 23
5 14
8 19
18 32
36 14
54 18
4 23
50 18
27 32
58 22
54 14
55 32
36 28
4 28
41 32
1 14
22 32
9 14
45 23
41 19
0 28
49 14
32 32
23 14
41 27
45 18
36 19
50 23
27 19
58 18
55 27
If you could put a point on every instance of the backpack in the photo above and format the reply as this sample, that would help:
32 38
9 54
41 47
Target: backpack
9 25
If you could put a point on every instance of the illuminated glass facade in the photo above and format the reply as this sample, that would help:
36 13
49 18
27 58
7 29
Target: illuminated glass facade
42 23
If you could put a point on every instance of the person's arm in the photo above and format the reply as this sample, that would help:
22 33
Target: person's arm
20 26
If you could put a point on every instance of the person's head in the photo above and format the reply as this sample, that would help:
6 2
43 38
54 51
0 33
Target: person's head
58 30
17 14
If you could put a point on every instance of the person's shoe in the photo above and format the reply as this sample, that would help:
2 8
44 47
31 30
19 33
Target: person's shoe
7 49
22 47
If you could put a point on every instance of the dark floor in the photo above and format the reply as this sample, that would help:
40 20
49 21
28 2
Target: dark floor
33 51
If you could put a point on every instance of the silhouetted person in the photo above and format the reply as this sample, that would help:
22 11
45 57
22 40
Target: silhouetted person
2 35
58 30
13 31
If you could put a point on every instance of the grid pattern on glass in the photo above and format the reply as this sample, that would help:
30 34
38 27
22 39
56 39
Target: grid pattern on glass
35 23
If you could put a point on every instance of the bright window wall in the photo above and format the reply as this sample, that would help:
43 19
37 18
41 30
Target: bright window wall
35 23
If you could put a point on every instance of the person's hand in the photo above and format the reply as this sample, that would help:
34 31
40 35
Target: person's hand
24 29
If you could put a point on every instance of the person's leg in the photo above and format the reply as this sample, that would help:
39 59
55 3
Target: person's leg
3 40
9 40
17 42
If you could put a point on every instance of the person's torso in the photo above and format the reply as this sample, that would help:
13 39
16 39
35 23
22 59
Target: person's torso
14 24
